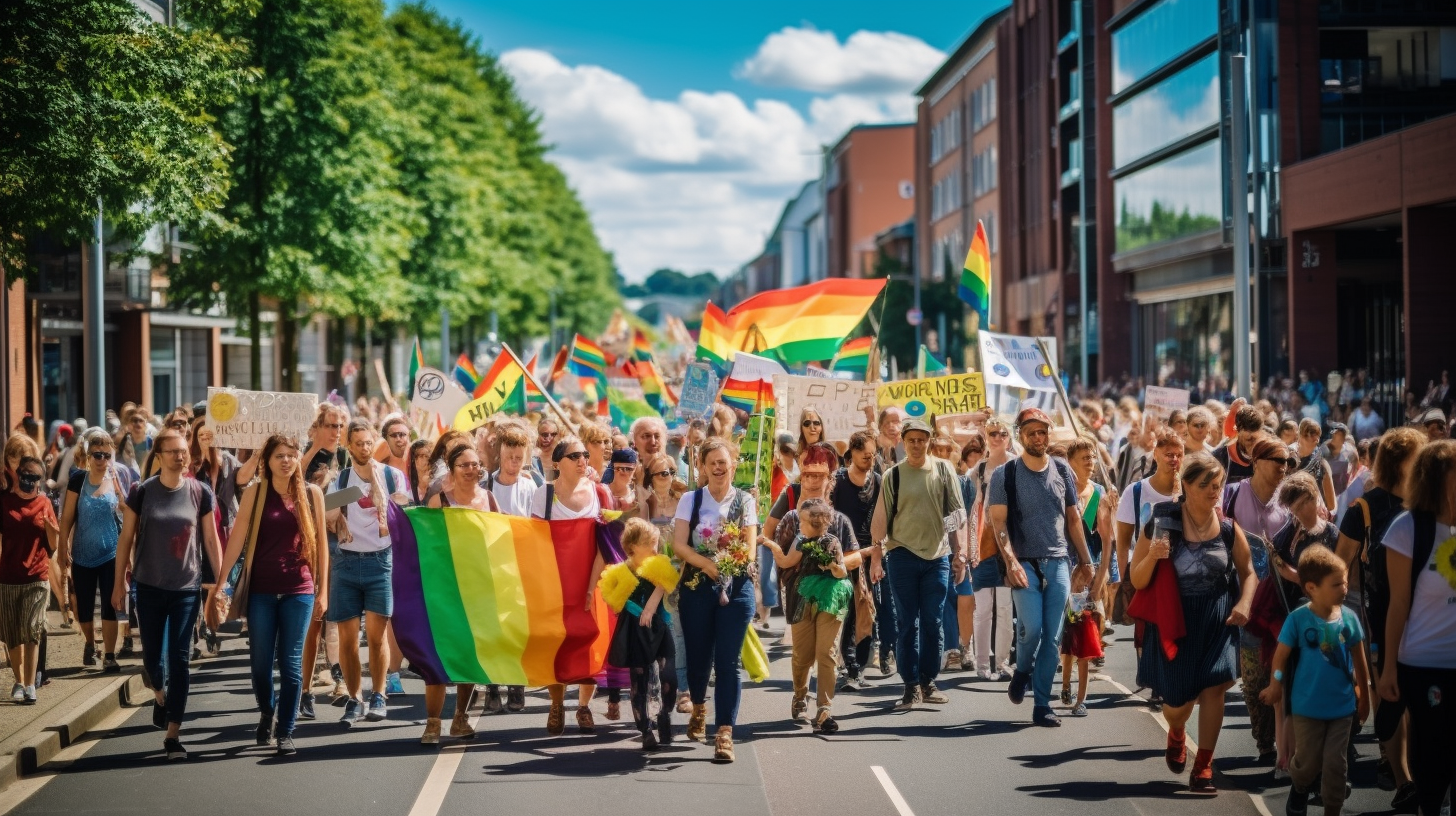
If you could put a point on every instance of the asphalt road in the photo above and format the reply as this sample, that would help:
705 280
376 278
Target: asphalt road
977 754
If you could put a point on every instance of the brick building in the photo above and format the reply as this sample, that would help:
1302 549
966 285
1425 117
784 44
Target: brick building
870 187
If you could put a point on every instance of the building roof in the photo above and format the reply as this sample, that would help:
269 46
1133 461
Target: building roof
969 44
839 145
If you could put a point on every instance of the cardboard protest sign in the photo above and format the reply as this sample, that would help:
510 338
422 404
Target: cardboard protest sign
1161 402
438 394
245 419
840 403
954 394
1017 362
756 459
699 391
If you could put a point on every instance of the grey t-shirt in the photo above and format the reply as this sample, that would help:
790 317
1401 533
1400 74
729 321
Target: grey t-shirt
169 541
1042 500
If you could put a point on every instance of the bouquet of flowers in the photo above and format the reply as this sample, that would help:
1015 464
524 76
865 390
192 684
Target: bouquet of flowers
729 552
815 551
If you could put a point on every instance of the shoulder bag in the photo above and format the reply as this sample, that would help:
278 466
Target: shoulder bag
238 605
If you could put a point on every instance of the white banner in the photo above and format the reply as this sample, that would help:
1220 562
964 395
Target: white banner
1016 361
245 419
749 367
841 404
438 394
1161 402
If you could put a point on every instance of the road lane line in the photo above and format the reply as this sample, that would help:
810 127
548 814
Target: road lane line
442 773
901 806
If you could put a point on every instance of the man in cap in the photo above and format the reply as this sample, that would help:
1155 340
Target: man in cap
914 524
1434 423
1033 511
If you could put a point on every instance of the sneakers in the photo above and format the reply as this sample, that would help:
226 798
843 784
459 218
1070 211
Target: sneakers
952 660
515 698
930 695
460 727
28 696
1016 692
798 708
493 704
353 712
432 732
1045 718
664 726
159 715
910 699
173 748
556 720
824 723
265 728
377 710
286 747
1298 802
17 693
88 655
393 686
305 708
110 666
850 683
984 675
1079 710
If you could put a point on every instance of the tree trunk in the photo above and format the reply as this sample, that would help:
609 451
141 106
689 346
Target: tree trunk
286 345
255 342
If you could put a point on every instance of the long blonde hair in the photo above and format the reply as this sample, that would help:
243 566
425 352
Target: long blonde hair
298 491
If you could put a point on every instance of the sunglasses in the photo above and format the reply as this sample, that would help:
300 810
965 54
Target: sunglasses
1284 463
661 473
813 423
575 456
999 434
100 455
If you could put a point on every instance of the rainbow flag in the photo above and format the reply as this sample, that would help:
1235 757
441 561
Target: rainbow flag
715 338
595 391
490 598
975 288
558 365
854 356
749 396
535 400
803 323
465 373
654 388
588 360
641 348
417 362
503 388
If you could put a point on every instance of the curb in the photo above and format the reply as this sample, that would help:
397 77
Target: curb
40 749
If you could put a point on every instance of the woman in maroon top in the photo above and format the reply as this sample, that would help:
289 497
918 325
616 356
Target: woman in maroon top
288 580
28 537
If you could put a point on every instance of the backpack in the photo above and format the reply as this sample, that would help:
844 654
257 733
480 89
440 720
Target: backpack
894 476
389 486
1013 513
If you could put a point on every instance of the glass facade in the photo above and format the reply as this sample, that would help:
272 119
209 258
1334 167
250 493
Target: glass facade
1174 198
1188 342
1377 80
1159 35
1181 105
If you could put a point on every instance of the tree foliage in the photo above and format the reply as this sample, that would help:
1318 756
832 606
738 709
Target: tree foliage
673 282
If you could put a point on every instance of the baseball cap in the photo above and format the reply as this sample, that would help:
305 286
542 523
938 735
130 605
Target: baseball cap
1032 415
1339 427
1433 415
916 424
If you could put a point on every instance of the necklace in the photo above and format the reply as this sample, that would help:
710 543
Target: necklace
1200 526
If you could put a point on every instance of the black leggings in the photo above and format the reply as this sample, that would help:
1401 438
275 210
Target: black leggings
1430 696
87 581
641 679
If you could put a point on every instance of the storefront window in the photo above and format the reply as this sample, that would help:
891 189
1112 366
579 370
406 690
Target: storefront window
1178 197
1159 35
1180 105
1189 342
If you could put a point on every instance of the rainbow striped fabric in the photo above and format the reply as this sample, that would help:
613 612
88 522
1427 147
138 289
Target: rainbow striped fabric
654 388
854 355
503 388
490 598
804 323
641 347
749 396
535 400
715 338
975 287
465 373
587 359
417 362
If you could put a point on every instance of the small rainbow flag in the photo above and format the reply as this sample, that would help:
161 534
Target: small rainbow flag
417 362
489 598
587 359
641 348
535 400
975 288
558 365
749 396
503 388
854 355
654 388
715 338
465 373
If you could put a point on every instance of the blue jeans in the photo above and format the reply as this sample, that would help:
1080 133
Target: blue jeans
768 577
277 625
166 618
919 588
713 636
950 622
1040 613
886 632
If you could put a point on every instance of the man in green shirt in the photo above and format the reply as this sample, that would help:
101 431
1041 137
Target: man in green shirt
914 525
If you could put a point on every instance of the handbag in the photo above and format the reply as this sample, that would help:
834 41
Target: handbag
238 605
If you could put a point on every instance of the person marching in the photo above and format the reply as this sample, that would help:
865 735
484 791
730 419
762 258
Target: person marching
90 526
642 642
28 539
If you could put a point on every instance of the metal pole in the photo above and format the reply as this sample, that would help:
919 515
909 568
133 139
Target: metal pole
1239 166
1082 194
93 313
445 340
915 278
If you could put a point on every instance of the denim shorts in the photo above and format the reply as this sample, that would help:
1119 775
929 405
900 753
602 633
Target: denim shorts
964 589
359 582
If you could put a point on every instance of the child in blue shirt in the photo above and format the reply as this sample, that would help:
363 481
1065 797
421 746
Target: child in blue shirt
1329 683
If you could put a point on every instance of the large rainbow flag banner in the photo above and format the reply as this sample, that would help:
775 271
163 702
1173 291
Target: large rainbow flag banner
854 355
489 598
805 323
715 338
975 288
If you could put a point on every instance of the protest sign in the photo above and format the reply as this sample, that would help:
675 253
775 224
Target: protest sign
954 394
1016 361
699 391
245 419
438 394
1161 402
841 404
756 462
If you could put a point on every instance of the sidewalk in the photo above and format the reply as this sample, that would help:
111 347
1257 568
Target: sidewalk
75 700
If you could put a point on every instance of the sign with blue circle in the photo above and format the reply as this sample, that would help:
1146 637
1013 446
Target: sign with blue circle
915 408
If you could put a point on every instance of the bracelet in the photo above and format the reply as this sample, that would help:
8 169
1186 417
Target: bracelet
1279 675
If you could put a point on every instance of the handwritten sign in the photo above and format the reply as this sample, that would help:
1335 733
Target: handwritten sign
955 394
1161 402
840 403
245 419
699 391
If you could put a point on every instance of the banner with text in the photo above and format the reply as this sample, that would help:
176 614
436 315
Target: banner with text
1161 402
245 419
1016 361
756 462
699 391
954 394
436 393
841 404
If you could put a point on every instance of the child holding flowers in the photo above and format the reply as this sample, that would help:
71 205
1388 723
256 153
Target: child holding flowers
817 595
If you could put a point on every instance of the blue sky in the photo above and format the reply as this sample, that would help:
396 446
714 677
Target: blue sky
686 126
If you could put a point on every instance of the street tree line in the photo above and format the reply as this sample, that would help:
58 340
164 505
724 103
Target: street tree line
321 156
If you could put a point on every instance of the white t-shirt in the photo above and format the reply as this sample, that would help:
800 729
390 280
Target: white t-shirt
1430 631
363 518
560 511
1148 497
515 499
1355 490
713 511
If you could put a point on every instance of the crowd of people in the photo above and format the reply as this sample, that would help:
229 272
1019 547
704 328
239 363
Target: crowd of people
1260 544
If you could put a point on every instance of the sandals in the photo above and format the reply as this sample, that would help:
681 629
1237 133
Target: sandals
698 722
584 720
825 723
723 745
556 720
432 732
1176 754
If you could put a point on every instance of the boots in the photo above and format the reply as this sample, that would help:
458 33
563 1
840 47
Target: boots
698 722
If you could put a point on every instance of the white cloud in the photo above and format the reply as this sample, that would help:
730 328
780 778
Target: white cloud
807 59
692 183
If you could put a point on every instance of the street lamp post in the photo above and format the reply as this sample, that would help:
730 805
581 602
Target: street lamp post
1239 166
93 315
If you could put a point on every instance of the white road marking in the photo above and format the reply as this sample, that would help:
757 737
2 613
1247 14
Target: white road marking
442 773
901 806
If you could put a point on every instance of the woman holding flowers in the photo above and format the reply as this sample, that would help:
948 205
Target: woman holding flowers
714 541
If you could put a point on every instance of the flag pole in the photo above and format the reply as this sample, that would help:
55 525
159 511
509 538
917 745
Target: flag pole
1072 414
551 401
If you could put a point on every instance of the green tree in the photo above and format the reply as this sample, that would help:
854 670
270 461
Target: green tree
897 336
98 101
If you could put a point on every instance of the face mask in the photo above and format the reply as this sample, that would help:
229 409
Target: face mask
28 482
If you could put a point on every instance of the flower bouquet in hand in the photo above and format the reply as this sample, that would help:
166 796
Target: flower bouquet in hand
728 549
817 553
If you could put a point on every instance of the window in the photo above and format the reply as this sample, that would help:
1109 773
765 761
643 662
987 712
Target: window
1179 106
983 172
1177 197
1187 341
983 105
1158 35
945 135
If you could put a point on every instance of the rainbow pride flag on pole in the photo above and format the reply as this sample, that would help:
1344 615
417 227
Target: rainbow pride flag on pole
587 359
641 348
535 400
655 390
975 288
715 338
749 396
489 598
854 356
417 362
503 388
805 323
465 373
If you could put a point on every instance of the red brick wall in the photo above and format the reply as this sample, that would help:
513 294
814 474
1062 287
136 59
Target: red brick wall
1313 325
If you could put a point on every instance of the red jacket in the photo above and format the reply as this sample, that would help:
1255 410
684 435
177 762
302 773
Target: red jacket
1160 604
